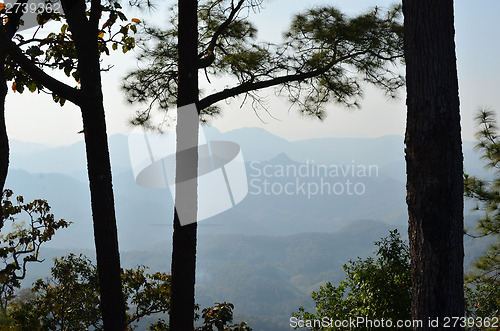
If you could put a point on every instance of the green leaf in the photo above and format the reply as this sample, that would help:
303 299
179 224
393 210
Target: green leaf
32 86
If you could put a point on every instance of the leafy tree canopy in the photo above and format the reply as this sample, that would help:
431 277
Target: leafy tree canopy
381 289
22 244
374 288
324 57
56 49
69 300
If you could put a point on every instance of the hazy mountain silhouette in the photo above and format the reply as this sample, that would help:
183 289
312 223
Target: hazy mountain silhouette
270 251
58 174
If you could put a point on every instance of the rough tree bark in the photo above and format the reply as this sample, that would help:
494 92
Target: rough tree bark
184 237
434 161
84 32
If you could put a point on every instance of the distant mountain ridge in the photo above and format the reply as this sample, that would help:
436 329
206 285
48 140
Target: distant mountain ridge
263 276
256 143
267 253
58 174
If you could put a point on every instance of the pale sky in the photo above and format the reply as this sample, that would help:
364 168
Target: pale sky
36 118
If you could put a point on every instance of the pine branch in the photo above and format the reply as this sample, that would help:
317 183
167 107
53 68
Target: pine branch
207 57
253 86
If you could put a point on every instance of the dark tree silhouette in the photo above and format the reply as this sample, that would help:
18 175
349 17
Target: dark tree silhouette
4 139
8 31
77 50
184 237
313 66
434 161
84 32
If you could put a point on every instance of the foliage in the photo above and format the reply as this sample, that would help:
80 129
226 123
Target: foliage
374 288
69 298
216 318
482 301
77 50
22 245
485 277
312 66
57 50
146 294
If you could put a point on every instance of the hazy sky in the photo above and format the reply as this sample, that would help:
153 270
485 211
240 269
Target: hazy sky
36 118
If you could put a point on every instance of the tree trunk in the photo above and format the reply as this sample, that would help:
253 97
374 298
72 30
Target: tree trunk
184 237
103 215
102 199
4 139
84 32
90 100
434 162
8 31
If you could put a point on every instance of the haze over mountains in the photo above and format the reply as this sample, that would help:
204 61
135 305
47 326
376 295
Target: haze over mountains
269 252
59 175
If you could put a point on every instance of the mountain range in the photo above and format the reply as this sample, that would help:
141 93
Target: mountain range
269 252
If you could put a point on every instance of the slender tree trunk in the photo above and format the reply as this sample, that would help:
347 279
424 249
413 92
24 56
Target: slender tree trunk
8 31
84 32
184 237
103 215
4 139
434 162
102 199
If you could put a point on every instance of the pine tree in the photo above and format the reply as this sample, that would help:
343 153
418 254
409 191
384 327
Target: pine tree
312 67
433 161
485 275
